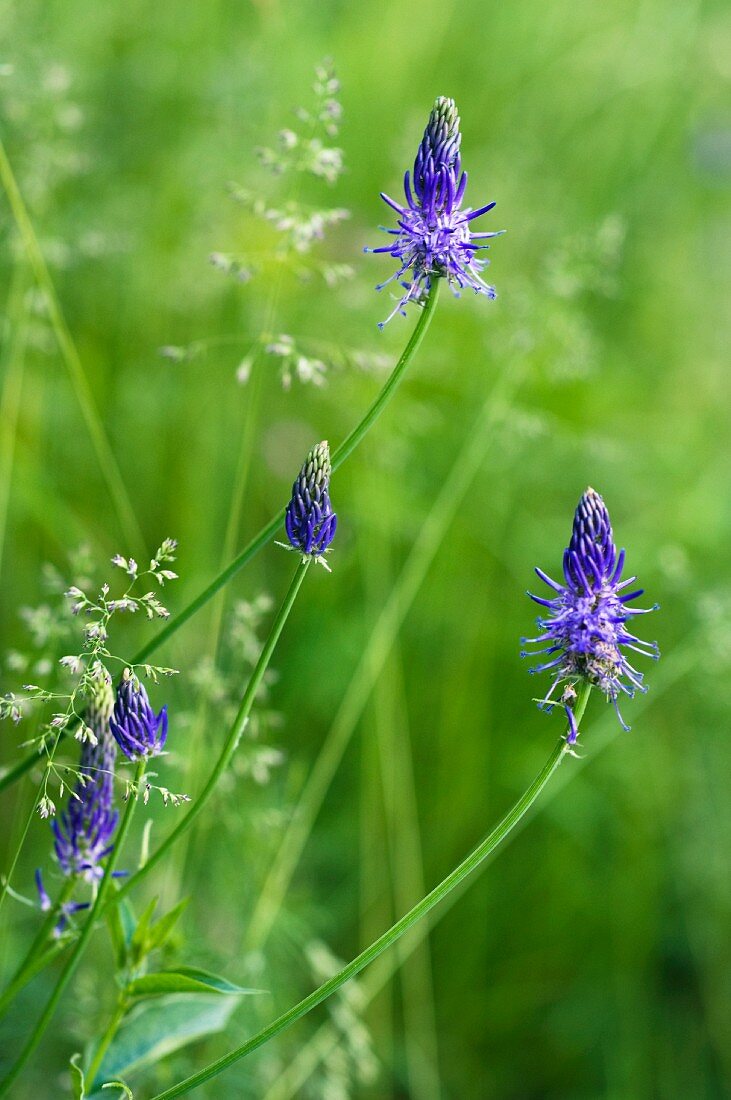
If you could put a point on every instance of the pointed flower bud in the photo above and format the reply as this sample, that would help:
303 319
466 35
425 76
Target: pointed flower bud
137 729
434 238
584 630
83 831
309 520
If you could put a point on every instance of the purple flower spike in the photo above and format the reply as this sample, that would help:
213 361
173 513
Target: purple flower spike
309 520
584 632
434 237
83 831
137 729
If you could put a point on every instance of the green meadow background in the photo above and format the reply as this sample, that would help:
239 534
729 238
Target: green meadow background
591 957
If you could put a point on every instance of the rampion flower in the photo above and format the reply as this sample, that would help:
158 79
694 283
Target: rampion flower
138 730
584 632
83 832
434 238
309 520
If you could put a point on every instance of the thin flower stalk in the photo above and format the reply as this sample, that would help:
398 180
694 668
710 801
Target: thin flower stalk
393 934
234 735
78 949
268 532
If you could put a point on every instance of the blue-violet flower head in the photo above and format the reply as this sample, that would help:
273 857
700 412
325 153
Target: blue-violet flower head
138 730
434 238
83 831
309 520
584 632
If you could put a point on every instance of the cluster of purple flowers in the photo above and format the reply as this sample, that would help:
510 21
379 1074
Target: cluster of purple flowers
137 729
309 520
434 238
84 831
584 633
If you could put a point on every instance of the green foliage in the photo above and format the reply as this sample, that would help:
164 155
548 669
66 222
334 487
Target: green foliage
183 979
157 1029
591 959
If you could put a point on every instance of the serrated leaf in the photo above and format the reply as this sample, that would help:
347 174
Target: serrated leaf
184 979
154 1030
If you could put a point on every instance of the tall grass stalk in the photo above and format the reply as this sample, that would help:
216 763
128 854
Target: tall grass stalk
393 934
13 363
370 666
105 456
234 735
78 949
673 669
405 856
268 532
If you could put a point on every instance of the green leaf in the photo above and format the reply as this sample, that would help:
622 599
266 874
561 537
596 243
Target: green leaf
128 919
78 1082
121 923
138 941
162 930
116 934
156 1029
184 979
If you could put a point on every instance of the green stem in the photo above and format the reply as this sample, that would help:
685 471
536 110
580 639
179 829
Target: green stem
101 1050
343 451
481 852
28 968
234 736
29 818
94 423
75 957
267 533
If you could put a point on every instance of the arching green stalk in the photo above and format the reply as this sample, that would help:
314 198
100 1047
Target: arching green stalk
224 759
234 734
69 353
268 532
39 951
75 957
468 865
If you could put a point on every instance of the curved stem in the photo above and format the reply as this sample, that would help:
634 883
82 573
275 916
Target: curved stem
234 735
29 966
269 531
73 961
468 865
94 423
338 457
104 1042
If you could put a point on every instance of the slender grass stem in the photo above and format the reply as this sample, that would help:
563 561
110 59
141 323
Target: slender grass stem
264 536
13 363
385 631
105 456
339 456
233 738
75 957
371 953
37 950
605 730
106 1039
29 818
243 468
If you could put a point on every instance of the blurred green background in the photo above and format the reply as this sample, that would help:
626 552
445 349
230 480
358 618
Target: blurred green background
592 957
